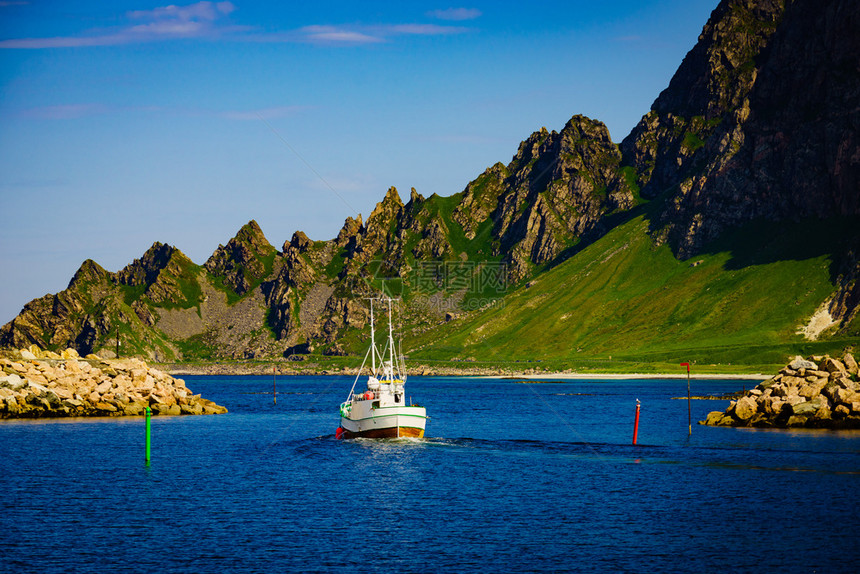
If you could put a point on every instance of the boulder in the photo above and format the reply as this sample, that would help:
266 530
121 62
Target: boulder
192 409
135 408
813 389
794 399
210 408
745 408
823 413
105 406
831 365
801 363
104 387
841 411
13 382
713 418
843 396
851 364
796 421
806 408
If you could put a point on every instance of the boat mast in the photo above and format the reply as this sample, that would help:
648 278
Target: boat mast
372 341
390 339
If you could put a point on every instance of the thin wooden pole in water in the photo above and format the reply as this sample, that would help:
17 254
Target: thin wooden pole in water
689 400
274 385
148 434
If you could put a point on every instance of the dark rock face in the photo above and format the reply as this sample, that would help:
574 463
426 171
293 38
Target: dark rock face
759 122
558 187
711 83
61 320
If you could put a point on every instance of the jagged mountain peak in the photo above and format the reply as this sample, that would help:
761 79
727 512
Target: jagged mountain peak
251 234
718 72
245 261
299 241
144 271
352 227
415 198
89 272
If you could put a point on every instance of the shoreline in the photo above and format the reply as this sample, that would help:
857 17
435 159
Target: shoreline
644 376
239 369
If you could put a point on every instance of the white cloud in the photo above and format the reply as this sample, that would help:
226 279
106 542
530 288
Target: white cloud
166 22
427 29
209 20
336 35
206 11
455 14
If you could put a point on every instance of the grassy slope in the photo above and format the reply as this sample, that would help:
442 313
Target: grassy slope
624 298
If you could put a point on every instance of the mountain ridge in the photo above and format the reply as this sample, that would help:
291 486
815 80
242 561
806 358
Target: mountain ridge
708 161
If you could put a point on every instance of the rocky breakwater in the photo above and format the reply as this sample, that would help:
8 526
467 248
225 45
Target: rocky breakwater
42 384
819 392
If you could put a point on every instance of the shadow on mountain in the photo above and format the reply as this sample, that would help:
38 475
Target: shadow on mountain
606 224
763 242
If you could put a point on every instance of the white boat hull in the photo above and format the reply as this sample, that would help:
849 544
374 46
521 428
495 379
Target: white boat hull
385 422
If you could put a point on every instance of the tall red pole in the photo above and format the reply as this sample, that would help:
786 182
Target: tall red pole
636 424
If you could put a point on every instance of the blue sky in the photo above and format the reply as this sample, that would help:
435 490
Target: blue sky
128 122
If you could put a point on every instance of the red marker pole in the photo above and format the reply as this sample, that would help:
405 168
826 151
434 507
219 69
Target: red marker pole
636 424
689 408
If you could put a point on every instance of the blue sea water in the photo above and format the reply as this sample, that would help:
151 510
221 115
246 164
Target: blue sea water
511 478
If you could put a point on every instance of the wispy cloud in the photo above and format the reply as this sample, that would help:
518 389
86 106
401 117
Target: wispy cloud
211 20
355 35
456 14
352 35
334 35
168 22
427 29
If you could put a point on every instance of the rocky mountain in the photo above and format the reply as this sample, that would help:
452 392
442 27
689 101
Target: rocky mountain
759 124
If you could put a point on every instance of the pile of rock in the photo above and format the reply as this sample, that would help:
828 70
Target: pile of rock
819 392
36 384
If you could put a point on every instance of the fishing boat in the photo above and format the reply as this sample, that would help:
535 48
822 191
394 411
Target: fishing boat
381 410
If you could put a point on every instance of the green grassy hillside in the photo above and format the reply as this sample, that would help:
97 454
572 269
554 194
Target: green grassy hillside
624 304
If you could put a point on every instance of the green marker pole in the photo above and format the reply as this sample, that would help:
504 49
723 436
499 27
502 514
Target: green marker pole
148 434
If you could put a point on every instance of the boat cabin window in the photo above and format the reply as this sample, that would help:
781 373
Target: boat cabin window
398 398
375 405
